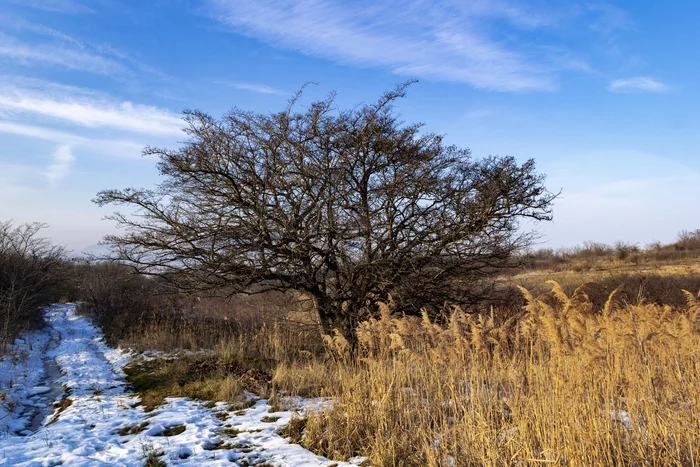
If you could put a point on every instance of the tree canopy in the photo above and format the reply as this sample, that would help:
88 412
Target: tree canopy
344 206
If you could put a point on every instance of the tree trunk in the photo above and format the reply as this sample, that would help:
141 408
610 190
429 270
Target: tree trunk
331 318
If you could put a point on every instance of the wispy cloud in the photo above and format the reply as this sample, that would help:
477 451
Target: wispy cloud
62 162
637 84
454 41
87 110
17 24
103 147
29 43
38 132
57 6
256 87
610 19
24 53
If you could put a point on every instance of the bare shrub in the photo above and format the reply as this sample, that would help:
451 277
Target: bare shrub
688 241
145 313
32 275
596 255
593 249
624 250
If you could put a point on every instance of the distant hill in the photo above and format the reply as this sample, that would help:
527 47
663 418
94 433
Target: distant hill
97 250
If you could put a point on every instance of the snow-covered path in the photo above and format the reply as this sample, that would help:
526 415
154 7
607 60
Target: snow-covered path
98 412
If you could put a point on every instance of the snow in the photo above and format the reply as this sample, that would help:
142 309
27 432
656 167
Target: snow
21 373
86 432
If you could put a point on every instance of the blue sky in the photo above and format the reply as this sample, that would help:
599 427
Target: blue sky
602 94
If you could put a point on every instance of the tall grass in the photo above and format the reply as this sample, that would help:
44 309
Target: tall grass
592 375
563 383
211 348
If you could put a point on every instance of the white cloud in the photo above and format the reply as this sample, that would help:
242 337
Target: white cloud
610 19
17 24
54 53
104 147
56 6
63 160
86 109
637 84
259 88
29 43
447 40
39 132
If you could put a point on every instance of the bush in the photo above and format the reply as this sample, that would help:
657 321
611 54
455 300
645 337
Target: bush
145 313
623 250
32 275
688 241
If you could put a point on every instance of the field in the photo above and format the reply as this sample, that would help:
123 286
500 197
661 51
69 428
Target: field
579 360
579 366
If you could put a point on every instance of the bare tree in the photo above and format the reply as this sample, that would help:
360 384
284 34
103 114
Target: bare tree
344 206
30 275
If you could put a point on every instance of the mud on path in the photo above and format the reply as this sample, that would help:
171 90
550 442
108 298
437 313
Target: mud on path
54 390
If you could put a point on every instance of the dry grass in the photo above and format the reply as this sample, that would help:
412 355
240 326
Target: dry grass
600 256
660 284
59 407
191 377
319 378
127 430
601 374
205 376
212 348
561 384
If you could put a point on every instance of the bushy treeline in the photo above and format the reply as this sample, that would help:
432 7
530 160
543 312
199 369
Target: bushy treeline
146 313
687 244
33 273
118 299
132 309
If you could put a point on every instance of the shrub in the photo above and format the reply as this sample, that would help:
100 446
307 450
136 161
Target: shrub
32 275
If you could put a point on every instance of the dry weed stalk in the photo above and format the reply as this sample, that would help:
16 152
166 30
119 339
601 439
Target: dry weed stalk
562 383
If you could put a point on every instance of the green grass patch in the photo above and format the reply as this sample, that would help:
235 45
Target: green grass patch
201 377
153 460
132 429
173 430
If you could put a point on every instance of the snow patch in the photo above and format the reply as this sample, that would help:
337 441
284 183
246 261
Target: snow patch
100 422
